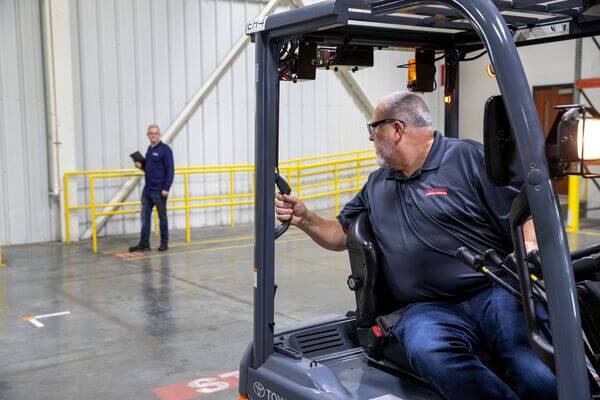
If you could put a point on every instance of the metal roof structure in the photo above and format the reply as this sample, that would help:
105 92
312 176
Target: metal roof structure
408 23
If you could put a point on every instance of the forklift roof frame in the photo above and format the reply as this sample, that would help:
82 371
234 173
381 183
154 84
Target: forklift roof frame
498 26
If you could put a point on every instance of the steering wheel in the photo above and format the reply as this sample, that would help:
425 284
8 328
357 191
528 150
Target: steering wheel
284 188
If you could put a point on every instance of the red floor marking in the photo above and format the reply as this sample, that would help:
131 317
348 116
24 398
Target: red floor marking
128 254
198 387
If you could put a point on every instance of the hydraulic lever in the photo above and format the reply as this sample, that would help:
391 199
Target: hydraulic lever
509 264
477 263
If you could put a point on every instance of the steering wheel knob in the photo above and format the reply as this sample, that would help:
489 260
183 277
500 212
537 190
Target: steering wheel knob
284 188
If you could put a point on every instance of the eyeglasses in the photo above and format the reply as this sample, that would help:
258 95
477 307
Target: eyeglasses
372 126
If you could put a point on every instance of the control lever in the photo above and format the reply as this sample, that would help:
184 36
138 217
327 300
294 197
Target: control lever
533 259
510 265
477 263
284 188
535 262
492 258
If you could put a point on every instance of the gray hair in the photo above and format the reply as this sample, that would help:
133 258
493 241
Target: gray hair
409 107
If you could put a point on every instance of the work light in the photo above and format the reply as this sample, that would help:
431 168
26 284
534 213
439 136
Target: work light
573 143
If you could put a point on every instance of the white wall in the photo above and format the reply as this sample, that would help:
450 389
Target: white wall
140 62
549 64
25 206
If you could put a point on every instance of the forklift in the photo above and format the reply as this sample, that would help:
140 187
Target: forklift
351 356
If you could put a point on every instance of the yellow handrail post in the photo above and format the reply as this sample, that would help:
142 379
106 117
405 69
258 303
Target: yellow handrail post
573 204
67 207
1 263
93 215
231 199
186 191
336 185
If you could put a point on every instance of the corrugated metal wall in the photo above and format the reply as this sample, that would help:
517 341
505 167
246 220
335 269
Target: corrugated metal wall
141 61
137 62
25 208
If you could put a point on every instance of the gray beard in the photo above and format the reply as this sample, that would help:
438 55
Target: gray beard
383 155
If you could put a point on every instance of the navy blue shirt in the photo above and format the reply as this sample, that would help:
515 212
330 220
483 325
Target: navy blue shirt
159 168
420 221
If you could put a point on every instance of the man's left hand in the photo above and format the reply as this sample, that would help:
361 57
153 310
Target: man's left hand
165 193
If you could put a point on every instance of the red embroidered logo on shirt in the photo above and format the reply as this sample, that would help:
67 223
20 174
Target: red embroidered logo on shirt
436 192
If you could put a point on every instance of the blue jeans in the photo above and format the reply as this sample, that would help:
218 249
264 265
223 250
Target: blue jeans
442 339
150 200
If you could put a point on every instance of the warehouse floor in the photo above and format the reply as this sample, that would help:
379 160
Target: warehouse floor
168 326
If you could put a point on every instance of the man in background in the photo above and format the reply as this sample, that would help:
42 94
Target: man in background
159 171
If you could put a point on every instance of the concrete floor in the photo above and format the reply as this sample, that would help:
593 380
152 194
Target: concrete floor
153 327
145 323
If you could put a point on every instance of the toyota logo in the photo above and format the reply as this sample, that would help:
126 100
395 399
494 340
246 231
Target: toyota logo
259 389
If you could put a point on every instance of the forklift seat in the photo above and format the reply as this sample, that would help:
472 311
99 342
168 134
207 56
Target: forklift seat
373 296
375 305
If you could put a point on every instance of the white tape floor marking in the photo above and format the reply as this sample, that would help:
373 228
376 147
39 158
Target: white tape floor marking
35 320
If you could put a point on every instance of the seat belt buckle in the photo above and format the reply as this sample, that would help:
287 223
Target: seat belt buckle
377 331
375 341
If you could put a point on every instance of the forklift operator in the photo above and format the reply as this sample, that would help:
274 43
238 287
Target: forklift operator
430 197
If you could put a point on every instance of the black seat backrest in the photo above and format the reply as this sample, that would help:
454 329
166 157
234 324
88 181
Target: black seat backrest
502 162
373 297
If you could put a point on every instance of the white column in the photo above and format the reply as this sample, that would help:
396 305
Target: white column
60 100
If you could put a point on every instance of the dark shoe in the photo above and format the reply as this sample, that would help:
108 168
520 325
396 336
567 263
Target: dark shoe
163 247
138 247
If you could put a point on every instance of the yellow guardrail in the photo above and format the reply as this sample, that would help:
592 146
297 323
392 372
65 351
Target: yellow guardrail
310 178
1 263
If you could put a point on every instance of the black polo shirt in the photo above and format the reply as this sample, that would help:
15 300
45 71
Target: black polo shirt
420 221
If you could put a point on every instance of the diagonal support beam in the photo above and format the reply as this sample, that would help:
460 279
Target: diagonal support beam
349 83
358 95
